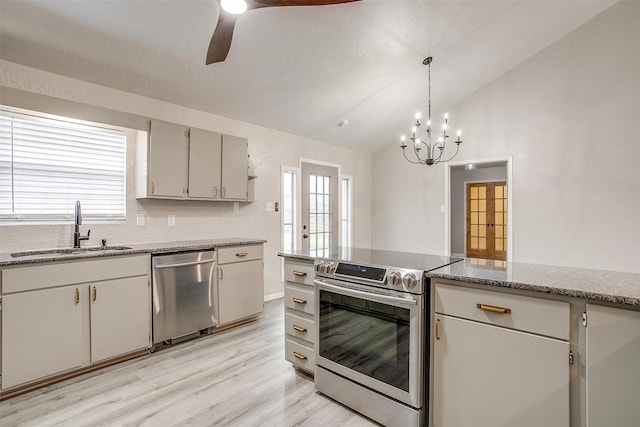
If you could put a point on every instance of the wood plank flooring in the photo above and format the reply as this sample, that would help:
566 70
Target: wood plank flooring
233 378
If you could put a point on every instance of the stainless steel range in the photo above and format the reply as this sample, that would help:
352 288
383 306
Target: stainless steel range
372 319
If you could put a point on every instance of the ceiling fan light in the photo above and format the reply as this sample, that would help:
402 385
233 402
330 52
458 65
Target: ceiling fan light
235 7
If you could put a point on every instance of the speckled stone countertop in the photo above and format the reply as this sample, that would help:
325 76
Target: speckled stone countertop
6 259
594 285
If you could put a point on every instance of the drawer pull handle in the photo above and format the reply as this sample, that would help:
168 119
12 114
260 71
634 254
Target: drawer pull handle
437 329
241 254
77 298
95 294
299 301
299 356
494 309
299 328
299 273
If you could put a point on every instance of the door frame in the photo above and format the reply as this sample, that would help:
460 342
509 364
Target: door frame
320 163
508 161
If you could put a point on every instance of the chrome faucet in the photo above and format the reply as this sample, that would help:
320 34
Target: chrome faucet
77 237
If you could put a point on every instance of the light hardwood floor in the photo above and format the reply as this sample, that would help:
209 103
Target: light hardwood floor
233 378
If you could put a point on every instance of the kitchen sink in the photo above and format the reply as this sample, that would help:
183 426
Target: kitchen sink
68 251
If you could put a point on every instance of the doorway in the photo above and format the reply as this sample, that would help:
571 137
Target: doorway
457 176
486 220
319 206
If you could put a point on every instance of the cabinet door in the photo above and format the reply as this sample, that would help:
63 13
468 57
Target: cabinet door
120 317
234 168
613 367
205 160
491 376
240 290
41 334
167 160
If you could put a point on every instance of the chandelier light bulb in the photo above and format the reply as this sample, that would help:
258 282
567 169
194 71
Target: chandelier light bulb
429 123
418 115
235 7
446 116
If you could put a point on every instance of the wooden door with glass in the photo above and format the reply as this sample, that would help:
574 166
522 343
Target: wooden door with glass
487 220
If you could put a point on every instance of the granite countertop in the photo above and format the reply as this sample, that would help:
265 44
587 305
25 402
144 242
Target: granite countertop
134 248
379 257
594 285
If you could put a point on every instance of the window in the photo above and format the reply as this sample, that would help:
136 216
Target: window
289 178
345 209
47 163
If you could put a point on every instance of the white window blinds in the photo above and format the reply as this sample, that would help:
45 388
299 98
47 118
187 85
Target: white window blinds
47 164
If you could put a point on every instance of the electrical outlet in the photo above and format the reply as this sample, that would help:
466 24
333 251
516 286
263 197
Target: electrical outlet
442 208
171 220
269 207
236 206
140 219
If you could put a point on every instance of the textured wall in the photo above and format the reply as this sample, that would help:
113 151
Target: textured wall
569 118
268 149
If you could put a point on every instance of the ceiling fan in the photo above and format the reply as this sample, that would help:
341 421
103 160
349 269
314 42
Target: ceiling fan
231 9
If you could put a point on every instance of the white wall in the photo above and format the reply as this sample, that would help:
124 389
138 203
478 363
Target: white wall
569 117
268 149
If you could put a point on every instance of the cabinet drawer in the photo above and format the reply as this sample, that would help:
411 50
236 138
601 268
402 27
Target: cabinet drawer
300 328
298 299
299 272
300 355
536 315
239 253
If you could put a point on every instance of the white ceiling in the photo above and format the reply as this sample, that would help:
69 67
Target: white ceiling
300 70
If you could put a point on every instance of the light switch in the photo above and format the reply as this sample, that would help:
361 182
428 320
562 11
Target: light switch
140 219
442 208
171 220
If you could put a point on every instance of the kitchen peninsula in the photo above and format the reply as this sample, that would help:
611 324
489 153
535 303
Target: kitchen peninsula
530 344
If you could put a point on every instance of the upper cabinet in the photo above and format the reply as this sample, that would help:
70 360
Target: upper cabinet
176 162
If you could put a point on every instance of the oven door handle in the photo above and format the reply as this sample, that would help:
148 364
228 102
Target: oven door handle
384 299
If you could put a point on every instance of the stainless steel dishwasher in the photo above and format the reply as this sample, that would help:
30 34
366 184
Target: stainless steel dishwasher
183 295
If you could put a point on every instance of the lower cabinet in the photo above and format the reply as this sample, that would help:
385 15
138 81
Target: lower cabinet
240 283
612 367
299 317
119 317
60 317
486 374
42 334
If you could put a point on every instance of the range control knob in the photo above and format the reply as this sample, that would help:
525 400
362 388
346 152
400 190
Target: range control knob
409 280
393 278
329 267
318 266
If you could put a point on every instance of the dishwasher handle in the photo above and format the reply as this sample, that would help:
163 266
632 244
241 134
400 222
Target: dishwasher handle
184 264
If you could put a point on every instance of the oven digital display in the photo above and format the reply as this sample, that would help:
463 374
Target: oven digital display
362 271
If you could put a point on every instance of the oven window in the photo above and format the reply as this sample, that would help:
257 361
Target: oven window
366 336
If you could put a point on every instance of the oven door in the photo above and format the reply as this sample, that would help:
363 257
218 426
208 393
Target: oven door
371 337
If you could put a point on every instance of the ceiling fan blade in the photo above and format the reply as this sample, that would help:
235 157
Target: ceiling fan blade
221 39
270 3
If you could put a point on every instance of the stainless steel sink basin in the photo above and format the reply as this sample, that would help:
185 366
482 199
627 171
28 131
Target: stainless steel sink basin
67 251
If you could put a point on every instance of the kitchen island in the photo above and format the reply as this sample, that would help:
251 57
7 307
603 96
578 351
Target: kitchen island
524 344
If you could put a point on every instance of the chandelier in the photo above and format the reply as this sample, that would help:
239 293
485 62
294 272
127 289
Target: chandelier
432 146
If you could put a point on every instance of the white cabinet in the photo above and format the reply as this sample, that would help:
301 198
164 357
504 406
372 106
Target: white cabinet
176 162
167 160
63 316
497 361
234 177
612 367
205 162
42 333
240 283
119 317
299 316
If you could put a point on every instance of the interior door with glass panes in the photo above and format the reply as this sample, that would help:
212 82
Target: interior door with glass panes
487 220
319 206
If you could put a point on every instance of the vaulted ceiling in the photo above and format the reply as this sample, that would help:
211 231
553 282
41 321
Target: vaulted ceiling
301 70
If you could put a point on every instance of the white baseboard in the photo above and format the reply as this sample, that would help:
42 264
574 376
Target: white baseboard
273 296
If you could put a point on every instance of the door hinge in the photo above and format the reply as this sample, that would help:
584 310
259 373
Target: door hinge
584 319
570 358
